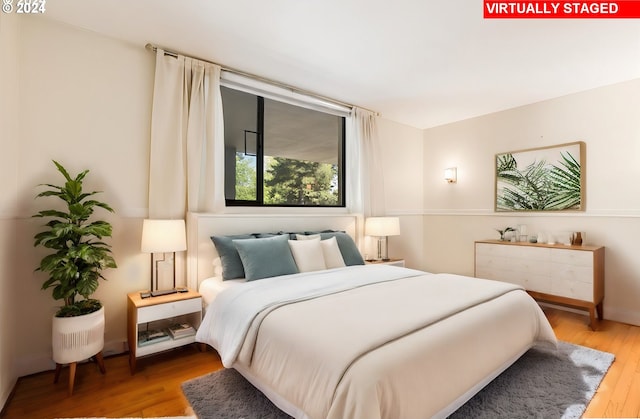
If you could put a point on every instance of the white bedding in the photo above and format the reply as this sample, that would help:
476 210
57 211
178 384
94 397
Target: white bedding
211 287
372 341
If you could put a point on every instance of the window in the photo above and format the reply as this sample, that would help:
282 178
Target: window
281 154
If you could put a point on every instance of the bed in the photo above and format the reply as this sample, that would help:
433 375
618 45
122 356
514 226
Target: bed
368 341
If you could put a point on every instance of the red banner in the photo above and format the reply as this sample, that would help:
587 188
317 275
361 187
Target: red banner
623 9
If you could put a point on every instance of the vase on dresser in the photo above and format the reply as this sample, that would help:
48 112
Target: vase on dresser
576 239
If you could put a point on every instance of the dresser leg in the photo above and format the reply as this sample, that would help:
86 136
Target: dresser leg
592 318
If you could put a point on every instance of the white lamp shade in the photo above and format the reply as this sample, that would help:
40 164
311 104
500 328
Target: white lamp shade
159 236
382 226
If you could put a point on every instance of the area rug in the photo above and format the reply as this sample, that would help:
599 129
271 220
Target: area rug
543 383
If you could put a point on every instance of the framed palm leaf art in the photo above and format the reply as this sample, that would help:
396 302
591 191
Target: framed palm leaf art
542 179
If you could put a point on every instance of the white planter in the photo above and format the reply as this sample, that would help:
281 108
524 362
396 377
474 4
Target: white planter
78 338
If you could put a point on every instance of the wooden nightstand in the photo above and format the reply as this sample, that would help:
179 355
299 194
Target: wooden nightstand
394 262
159 313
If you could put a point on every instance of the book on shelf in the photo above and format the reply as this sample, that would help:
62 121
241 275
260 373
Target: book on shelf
148 337
181 330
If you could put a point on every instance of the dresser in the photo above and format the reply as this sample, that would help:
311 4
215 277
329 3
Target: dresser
571 276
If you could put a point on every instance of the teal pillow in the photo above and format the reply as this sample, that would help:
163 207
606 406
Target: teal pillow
264 258
229 258
348 248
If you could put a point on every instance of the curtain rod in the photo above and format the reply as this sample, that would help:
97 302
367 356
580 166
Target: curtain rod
154 48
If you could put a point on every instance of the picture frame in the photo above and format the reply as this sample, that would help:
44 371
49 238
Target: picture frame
551 178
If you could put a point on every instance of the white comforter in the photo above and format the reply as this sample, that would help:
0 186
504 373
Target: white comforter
372 341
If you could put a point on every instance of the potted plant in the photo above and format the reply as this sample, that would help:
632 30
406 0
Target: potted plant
503 233
74 269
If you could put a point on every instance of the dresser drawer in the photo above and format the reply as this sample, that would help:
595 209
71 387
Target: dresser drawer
572 257
167 310
512 252
496 274
573 289
562 272
490 262
491 250
536 282
538 267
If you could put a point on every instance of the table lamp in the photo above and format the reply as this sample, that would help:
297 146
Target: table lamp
382 227
163 236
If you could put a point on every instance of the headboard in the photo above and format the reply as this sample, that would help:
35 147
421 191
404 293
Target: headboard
201 226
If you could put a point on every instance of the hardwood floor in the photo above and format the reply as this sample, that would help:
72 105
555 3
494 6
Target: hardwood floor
155 388
619 393
153 391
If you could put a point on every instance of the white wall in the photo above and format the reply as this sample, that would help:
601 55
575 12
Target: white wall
85 101
402 165
9 31
606 119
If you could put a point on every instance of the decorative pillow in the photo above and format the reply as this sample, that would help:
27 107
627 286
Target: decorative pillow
308 254
307 236
350 252
264 258
291 235
266 235
230 260
331 251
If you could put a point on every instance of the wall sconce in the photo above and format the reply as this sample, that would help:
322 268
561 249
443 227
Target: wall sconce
451 175
162 236
382 227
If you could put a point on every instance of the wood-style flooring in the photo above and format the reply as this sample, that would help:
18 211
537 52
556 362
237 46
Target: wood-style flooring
155 388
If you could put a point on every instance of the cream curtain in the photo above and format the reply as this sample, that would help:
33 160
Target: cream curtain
365 180
186 167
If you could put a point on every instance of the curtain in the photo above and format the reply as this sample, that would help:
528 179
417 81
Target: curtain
365 180
186 163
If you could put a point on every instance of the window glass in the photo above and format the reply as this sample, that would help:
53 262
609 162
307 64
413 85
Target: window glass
280 154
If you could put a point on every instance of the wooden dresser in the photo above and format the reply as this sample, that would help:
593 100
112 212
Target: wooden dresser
571 276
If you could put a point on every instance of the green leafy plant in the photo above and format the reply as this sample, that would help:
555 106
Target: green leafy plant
80 255
503 232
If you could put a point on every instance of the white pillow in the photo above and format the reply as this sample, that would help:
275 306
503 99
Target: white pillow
332 255
217 267
308 254
307 236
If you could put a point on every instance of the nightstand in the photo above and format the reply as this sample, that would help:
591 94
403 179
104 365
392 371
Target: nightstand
393 262
158 313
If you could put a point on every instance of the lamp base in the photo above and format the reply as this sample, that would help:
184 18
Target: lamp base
384 257
164 278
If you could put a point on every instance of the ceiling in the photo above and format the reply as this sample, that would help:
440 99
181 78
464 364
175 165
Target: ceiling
419 62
